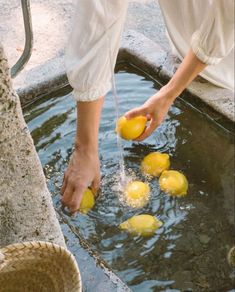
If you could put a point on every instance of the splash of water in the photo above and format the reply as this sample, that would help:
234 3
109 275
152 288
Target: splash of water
123 177
120 184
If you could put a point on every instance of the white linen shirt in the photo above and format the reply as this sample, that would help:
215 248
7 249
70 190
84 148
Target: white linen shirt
207 26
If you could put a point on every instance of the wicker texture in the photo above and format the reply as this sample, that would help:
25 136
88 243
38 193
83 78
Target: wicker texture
38 267
231 257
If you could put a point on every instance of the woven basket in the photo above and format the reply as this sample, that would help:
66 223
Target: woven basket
231 257
38 267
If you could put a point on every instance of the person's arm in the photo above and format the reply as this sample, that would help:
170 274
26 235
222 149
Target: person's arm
93 47
84 167
213 40
157 106
94 40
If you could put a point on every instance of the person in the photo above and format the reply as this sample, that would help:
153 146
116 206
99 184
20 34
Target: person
201 33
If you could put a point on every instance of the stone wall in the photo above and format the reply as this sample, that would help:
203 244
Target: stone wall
26 210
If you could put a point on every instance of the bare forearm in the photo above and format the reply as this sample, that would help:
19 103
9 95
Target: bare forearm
88 120
84 168
157 106
187 71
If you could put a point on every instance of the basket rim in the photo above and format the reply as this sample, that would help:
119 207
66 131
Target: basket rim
21 255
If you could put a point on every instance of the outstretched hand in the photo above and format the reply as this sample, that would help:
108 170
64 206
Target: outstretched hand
155 109
157 106
83 171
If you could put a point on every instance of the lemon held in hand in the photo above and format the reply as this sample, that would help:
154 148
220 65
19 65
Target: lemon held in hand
155 163
132 128
174 183
144 225
137 194
88 201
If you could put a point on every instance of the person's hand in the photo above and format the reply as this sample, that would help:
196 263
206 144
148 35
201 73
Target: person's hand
157 106
155 109
83 171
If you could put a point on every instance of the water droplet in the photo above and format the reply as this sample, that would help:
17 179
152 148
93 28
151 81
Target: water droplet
118 245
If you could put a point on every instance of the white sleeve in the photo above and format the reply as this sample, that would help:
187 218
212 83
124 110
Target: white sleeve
94 39
215 38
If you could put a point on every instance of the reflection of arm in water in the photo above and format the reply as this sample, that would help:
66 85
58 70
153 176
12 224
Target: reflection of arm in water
94 40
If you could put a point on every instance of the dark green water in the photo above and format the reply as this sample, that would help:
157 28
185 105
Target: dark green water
188 253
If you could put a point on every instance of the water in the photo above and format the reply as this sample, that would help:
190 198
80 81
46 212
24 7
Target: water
123 177
188 253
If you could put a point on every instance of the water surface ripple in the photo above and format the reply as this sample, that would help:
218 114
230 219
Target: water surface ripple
189 251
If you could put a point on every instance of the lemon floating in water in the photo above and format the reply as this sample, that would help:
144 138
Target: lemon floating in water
155 163
88 201
174 183
137 194
132 128
144 225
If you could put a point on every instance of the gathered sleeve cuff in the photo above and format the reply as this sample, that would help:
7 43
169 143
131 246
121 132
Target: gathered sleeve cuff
93 93
93 47
215 37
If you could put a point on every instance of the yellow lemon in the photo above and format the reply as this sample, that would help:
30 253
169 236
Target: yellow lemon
155 163
144 225
174 183
88 201
136 194
132 128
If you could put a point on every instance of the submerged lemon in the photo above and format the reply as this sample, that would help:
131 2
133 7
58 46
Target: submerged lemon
88 201
137 194
174 183
155 163
132 128
144 225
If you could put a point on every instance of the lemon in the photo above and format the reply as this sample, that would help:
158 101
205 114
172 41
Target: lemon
88 201
136 194
155 163
174 183
144 225
132 128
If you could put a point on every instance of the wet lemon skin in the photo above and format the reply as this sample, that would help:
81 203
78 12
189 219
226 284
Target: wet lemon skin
132 128
155 163
144 225
174 183
88 201
137 194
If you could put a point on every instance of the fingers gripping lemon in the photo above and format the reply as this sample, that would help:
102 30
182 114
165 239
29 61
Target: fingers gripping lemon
155 163
137 194
88 201
144 225
174 183
132 128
